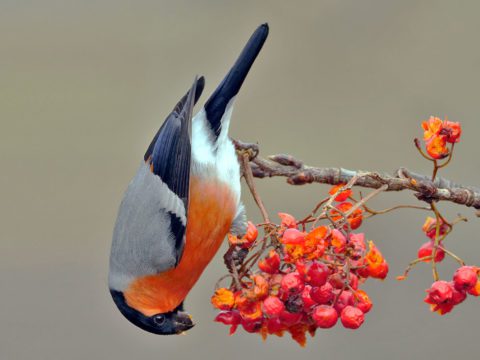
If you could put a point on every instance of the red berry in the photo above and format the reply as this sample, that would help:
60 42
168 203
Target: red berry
353 281
337 281
458 296
440 292
378 271
465 278
325 316
345 299
363 301
323 294
289 318
228 317
317 274
252 326
341 195
427 250
444 308
274 325
352 318
362 268
308 302
271 263
292 283
430 228
273 306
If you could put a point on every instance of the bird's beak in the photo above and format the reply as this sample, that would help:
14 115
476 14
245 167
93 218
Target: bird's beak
183 321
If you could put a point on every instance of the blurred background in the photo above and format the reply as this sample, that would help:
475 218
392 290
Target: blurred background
84 85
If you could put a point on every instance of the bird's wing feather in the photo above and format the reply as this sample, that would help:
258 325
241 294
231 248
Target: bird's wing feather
171 157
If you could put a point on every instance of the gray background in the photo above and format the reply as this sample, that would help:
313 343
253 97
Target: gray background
84 85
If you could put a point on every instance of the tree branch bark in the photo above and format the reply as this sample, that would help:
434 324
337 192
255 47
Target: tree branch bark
298 173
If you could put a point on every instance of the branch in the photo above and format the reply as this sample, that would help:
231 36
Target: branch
403 179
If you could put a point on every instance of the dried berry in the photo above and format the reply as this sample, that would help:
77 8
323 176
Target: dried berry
325 316
352 317
465 278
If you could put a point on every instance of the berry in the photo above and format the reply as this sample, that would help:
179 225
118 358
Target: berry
271 263
252 232
307 300
458 296
292 283
323 294
440 292
363 301
273 306
345 299
351 317
289 318
341 196
427 250
353 281
251 326
232 318
325 316
275 326
223 299
228 317
430 227
465 278
317 274
337 281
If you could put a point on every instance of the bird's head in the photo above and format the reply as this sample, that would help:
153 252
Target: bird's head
169 323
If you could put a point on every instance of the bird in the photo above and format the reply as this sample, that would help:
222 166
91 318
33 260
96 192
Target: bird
180 205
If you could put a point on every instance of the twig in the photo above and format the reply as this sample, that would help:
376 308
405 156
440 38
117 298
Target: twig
425 189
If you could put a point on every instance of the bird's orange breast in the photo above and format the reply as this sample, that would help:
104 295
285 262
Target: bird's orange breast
210 214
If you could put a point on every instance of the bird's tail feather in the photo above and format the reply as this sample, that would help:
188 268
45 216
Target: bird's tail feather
216 105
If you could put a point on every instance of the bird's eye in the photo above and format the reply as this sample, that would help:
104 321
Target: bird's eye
159 319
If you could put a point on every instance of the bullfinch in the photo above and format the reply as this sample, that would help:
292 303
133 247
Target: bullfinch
181 203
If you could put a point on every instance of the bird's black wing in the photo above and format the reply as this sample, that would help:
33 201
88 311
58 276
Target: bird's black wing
169 156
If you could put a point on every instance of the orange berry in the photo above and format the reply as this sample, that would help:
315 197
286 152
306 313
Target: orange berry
252 232
341 196
223 299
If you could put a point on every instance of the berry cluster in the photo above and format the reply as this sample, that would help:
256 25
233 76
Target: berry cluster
443 296
308 280
437 134
425 252
294 280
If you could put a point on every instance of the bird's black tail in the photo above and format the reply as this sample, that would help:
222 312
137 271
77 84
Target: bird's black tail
229 87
